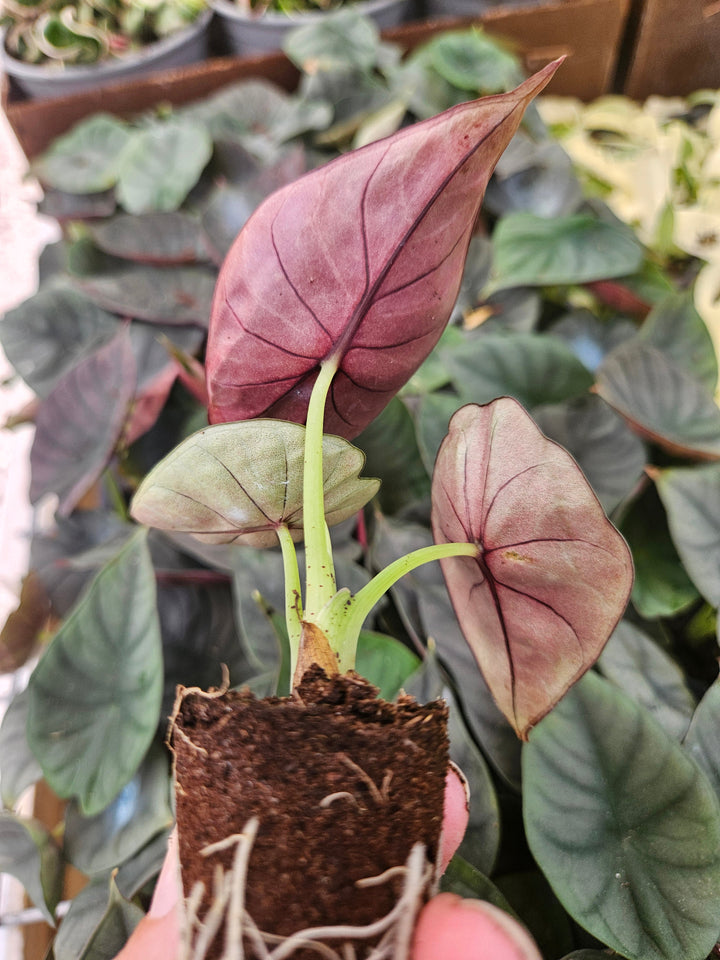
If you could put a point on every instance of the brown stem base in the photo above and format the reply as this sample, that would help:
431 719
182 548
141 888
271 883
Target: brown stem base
342 787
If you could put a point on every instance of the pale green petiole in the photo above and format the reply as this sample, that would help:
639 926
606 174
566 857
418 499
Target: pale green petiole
319 568
293 596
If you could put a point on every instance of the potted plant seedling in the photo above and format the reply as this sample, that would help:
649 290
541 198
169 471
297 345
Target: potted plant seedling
55 48
333 294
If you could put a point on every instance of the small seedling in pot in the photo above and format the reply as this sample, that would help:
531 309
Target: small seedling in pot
334 293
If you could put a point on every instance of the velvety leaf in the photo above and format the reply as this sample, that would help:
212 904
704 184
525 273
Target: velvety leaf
239 482
18 767
161 165
385 662
384 276
226 214
642 669
49 332
552 575
174 295
79 423
692 499
624 826
535 251
611 456
660 400
87 158
392 455
139 812
28 852
156 238
471 60
676 328
21 632
343 41
702 742
662 586
432 374
533 368
95 695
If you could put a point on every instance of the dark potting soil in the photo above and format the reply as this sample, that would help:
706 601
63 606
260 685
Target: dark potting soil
343 785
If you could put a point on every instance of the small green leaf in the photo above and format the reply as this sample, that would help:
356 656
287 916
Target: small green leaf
161 165
95 695
472 61
691 496
98 924
534 251
624 825
87 159
532 368
385 662
28 852
238 482
467 881
18 767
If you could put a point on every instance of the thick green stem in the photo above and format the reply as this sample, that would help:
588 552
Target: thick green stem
293 597
348 617
319 568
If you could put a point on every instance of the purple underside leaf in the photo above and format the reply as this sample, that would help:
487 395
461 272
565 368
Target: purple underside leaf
553 575
79 423
357 262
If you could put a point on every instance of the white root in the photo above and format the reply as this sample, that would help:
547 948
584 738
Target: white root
228 906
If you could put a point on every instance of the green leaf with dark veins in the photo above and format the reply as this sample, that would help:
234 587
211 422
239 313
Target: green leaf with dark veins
702 741
624 825
238 482
161 165
95 695
535 251
28 852
676 328
98 924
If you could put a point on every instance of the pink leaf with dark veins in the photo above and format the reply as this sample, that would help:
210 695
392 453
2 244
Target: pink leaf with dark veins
358 262
552 576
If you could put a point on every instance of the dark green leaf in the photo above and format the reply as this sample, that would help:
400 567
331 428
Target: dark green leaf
610 455
175 295
702 741
98 925
139 812
533 368
624 825
161 165
660 400
636 664
95 695
589 338
391 449
223 218
539 910
18 767
238 482
534 251
157 238
47 334
344 40
433 417
676 328
28 852
79 423
692 499
466 881
87 159
662 587
470 60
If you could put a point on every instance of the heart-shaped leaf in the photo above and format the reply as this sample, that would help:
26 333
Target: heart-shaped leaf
239 482
539 251
552 576
85 160
79 423
95 695
369 291
49 332
661 400
28 852
624 825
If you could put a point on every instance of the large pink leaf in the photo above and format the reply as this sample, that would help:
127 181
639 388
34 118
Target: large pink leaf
358 261
552 576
